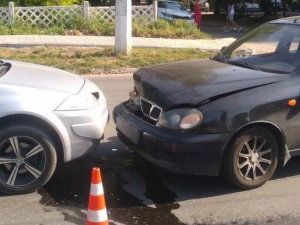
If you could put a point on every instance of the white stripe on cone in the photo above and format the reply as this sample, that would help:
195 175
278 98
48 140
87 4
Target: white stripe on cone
97 216
96 189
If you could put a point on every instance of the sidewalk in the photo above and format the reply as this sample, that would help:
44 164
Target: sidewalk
19 41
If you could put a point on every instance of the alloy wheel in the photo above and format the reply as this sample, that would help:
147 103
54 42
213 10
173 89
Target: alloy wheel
254 158
22 161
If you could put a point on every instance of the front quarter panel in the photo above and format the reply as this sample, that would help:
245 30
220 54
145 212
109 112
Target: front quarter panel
40 103
265 103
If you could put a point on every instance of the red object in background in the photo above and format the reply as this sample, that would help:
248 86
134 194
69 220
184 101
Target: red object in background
197 16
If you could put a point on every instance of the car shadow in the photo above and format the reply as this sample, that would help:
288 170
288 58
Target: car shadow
206 187
218 32
132 186
70 182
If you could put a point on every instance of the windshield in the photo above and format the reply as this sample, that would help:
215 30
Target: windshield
270 48
171 5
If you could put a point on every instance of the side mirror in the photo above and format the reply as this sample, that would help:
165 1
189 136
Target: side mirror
189 10
224 47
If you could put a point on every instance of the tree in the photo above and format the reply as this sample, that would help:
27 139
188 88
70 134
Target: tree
267 7
51 2
4 3
217 7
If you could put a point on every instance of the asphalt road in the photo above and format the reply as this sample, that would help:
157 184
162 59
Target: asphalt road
138 193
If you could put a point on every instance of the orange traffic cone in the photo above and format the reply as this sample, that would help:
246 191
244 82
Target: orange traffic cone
97 214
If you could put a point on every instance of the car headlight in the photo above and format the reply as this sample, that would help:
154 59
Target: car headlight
181 119
81 101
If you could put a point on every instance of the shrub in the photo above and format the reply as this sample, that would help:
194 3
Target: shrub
168 29
160 28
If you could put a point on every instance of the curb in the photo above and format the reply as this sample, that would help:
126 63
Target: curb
26 45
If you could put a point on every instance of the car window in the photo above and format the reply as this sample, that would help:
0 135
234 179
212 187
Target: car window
271 47
170 5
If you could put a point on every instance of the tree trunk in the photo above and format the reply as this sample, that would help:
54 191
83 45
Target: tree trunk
285 9
217 7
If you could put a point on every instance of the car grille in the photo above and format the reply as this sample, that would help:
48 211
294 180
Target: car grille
150 110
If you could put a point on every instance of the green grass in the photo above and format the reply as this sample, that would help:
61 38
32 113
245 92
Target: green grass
160 28
86 60
173 29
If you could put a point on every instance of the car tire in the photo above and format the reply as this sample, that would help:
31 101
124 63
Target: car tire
251 158
27 158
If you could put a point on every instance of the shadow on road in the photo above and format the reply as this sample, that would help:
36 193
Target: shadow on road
136 192
130 184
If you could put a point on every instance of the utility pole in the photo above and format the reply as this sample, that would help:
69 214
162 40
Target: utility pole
123 27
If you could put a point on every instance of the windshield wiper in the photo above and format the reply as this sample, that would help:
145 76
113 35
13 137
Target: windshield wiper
220 57
242 63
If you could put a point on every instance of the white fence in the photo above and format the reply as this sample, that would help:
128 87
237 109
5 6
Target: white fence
50 14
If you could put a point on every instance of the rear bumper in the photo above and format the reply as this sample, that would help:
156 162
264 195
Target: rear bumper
181 153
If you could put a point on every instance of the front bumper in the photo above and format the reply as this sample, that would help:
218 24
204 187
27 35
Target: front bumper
181 153
190 21
84 130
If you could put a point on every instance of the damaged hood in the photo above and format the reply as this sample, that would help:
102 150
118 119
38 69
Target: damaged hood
196 82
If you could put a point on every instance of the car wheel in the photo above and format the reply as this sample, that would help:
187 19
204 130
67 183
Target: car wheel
27 159
251 158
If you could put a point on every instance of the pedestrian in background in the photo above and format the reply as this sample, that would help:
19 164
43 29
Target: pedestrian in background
230 17
197 15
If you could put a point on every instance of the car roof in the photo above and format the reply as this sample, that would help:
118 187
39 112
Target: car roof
295 20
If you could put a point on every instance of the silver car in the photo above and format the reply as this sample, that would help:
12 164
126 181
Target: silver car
170 10
47 116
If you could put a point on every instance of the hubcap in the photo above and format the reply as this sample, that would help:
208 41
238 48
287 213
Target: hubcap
19 160
22 161
254 158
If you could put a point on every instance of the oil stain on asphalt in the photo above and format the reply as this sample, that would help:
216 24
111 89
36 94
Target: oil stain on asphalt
68 191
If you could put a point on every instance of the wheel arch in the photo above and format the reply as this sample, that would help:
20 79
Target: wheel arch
273 128
26 119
